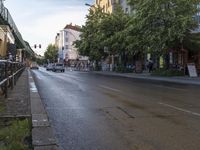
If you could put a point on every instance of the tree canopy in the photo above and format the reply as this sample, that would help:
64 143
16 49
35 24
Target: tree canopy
153 25
162 24
51 54
90 43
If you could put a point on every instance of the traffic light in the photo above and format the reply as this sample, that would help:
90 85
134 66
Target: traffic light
35 46
40 46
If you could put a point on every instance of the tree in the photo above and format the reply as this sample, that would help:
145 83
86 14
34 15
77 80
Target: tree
161 24
51 54
112 31
90 43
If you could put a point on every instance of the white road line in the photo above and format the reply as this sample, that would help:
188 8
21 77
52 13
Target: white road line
33 87
171 88
181 109
109 88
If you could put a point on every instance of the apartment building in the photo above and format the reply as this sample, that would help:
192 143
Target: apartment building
108 6
64 42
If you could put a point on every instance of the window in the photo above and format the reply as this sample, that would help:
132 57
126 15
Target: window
66 39
66 47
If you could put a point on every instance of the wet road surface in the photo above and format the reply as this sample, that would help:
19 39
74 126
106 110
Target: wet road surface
95 112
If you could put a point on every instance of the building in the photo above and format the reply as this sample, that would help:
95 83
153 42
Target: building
64 42
108 6
7 43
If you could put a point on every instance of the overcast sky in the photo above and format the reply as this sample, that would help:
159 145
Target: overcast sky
39 20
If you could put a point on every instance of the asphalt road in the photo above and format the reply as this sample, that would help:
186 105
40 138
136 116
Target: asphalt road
95 112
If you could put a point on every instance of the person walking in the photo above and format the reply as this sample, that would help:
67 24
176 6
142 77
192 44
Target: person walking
150 65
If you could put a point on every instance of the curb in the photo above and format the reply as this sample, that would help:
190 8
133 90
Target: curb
153 79
42 132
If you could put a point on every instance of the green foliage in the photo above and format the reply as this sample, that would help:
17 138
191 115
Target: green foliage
167 73
111 29
90 43
51 54
103 30
154 25
123 69
13 136
40 61
161 24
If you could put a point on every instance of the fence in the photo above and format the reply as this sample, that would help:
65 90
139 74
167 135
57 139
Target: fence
9 73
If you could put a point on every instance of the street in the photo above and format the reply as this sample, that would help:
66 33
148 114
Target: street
96 112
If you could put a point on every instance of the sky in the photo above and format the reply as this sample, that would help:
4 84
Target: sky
40 20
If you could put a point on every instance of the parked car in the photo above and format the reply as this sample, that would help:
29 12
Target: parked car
34 65
49 67
59 67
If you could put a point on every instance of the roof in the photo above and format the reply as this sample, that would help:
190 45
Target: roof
75 27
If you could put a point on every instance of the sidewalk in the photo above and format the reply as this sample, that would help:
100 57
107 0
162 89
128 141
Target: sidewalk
18 103
24 102
147 76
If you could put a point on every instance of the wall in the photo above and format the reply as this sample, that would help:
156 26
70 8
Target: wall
3 45
106 5
71 36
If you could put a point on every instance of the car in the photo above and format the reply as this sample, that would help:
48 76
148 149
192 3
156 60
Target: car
49 67
59 67
34 65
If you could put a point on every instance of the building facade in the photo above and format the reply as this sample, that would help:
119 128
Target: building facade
108 6
7 42
64 42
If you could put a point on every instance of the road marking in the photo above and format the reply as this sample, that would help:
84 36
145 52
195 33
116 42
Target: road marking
181 109
109 88
171 88
33 87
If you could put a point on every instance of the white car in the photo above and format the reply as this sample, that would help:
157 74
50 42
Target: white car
49 67
34 65
59 67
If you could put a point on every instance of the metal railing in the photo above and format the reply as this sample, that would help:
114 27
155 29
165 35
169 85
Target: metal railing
9 73
7 17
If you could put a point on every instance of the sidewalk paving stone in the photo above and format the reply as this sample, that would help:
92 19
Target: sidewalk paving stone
43 136
18 101
53 147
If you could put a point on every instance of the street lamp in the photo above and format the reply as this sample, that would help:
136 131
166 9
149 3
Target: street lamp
86 4
63 53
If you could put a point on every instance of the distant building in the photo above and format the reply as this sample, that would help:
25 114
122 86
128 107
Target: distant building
108 6
64 42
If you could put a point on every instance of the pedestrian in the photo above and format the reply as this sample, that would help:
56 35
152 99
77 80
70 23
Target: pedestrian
150 65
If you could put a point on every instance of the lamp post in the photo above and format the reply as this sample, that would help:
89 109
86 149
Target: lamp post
86 4
62 54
